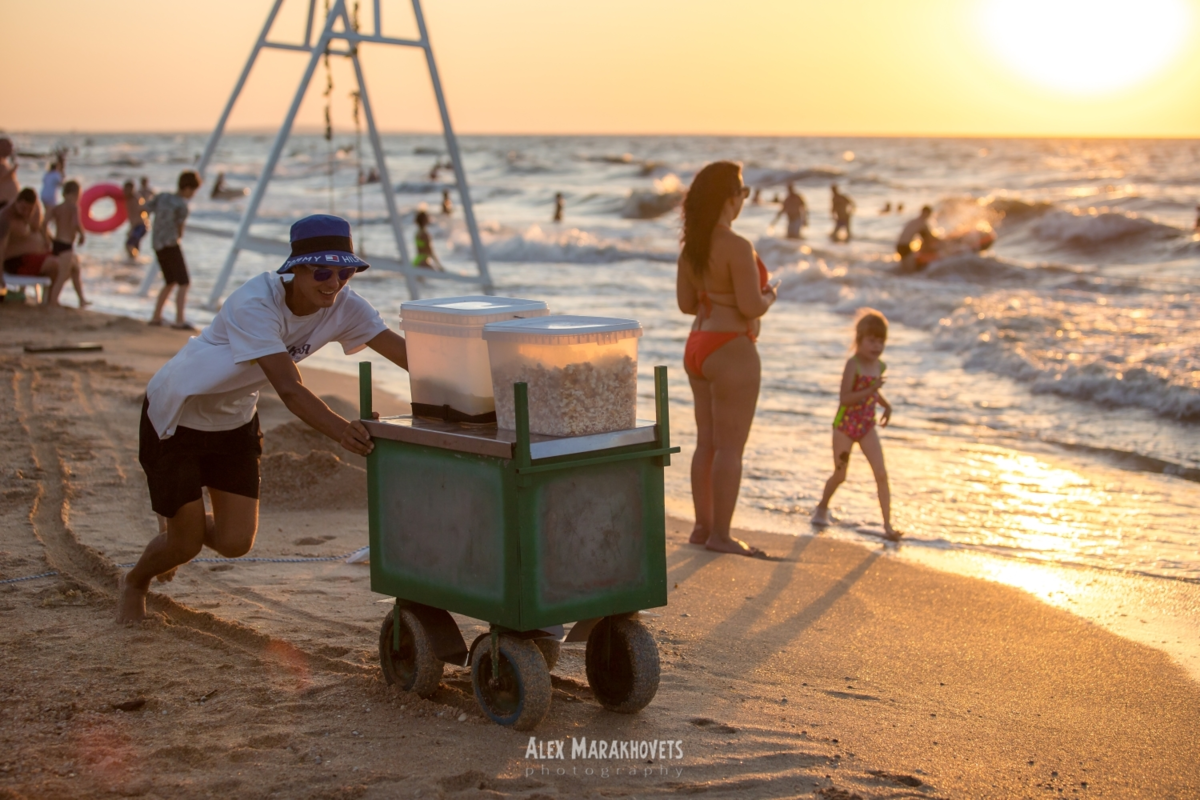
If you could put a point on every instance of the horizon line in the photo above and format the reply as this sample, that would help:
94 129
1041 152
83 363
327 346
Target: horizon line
306 131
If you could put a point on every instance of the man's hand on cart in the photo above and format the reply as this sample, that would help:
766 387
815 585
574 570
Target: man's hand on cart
285 378
356 439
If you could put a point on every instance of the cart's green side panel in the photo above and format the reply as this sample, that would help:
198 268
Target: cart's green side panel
437 527
593 542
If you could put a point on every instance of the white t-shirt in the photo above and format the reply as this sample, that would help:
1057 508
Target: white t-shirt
212 384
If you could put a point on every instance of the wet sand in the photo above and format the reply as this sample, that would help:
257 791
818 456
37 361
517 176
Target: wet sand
832 672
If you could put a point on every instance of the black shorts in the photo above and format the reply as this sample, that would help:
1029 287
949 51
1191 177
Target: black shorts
58 247
174 270
177 468
904 250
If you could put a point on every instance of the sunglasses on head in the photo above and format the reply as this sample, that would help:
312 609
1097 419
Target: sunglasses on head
322 274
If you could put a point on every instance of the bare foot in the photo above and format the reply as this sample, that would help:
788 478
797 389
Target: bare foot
734 546
890 533
84 303
131 603
821 518
699 536
167 576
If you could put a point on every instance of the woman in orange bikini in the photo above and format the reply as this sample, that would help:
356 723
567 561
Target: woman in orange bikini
724 284
855 421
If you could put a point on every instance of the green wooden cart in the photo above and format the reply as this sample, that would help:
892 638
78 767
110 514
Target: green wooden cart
527 533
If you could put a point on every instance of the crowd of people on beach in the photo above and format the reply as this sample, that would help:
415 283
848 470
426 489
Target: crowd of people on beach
39 232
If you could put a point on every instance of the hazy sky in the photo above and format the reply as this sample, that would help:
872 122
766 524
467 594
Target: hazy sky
1041 67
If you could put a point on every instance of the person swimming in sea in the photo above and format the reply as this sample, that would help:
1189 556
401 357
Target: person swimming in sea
425 257
862 379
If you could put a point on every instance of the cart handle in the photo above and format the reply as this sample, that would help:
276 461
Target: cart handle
364 390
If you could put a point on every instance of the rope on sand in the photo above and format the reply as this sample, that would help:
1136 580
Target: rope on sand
243 560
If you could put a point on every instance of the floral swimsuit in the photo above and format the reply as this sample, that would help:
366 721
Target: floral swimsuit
858 420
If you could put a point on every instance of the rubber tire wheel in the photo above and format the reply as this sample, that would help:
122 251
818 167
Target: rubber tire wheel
414 667
550 649
622 664
522 699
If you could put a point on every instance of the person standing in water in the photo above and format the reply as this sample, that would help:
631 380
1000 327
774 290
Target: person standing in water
425 257
135 209
558 206
51 181
447 206
722 282
855 421
199 425
912 229
842 207
796 211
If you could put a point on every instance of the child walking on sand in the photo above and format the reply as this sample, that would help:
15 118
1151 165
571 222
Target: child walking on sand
67 231
855 421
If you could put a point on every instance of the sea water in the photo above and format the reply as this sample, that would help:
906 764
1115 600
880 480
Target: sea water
1046 393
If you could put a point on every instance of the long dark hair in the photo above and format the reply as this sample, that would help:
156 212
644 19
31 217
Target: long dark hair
702 206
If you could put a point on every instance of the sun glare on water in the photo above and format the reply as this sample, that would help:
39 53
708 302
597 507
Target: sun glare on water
1086 46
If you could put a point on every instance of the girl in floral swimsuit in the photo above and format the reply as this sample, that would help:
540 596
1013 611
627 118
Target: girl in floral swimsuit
855 421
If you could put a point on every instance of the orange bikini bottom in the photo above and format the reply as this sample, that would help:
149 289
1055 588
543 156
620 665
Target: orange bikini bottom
702 344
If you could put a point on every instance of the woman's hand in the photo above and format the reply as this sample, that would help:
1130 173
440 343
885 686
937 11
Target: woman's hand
356 439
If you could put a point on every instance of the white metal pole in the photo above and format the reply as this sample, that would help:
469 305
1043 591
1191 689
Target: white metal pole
385 180
464 192
260 187
308 25
211 146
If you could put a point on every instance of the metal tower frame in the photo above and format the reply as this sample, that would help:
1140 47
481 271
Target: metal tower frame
243 240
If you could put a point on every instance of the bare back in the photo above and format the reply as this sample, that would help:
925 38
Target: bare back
65 219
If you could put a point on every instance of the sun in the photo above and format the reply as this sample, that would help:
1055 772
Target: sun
1086 47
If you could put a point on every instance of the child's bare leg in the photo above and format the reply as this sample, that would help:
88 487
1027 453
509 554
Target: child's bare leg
702 460
181 303
841 462
873 449
180 543
77 281
160 302
58 272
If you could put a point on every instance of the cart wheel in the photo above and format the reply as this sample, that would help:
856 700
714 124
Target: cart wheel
550 650
622 664
521 696
413 667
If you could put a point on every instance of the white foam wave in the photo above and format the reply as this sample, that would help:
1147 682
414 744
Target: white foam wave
568 246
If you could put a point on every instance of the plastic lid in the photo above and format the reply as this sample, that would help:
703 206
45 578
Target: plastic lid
473 310
563 329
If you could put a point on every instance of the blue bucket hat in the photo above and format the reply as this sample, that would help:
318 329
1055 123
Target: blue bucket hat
322 240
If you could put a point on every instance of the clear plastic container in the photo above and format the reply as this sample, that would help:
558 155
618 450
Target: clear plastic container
448 367
581 373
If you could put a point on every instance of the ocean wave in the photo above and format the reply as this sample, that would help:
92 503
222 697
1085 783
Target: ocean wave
1131 460
666 196
569 246
1115 351
761 178
1088 232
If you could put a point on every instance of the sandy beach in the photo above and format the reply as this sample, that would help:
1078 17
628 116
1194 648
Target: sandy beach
830 672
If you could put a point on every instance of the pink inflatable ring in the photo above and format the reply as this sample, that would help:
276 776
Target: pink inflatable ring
91 195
